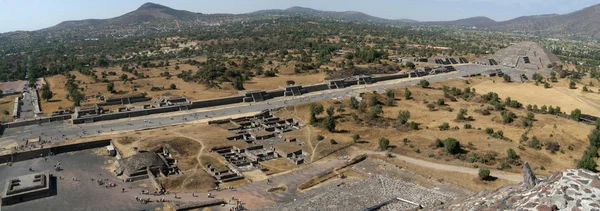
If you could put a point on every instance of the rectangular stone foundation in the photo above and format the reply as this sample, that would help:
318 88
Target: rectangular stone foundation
26 188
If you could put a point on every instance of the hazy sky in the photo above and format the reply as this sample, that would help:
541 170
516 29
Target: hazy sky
37 14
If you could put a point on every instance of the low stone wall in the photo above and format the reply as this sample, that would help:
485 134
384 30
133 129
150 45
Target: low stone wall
389 77
217 102
36 153
182 207
315 88
37 121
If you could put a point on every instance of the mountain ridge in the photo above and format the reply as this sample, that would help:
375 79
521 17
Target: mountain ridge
584 22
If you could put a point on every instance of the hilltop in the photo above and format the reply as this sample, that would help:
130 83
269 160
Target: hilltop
582 23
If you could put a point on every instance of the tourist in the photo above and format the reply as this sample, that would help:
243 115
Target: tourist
123 190
137 198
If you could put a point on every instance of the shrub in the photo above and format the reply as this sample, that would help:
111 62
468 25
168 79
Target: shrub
576 114
511 154
489 131
355 117
535 143
572 85
353 103
332 141
438 143
375 111
440 101
468 126
552 146
508 116
452 146
413 125
320 137
484 173
373 101
407 94
384 143
329 123
473 157
503 165
173 86
424 83
355 138
444 126
403 117
587 162
405 141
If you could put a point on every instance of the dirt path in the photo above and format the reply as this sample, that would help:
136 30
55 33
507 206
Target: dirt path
453 168
586 101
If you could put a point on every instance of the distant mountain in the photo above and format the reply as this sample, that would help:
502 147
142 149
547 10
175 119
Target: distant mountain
474 21
347 15
585 22
582 23
147 15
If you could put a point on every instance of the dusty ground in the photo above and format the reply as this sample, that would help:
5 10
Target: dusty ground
7 104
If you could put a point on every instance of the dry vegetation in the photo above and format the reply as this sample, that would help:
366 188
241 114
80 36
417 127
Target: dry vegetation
571 135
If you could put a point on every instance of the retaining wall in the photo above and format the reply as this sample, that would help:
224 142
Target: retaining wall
22 156
217 102
315 88
389 77
36 121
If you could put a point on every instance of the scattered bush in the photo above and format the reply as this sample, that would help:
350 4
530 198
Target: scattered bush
332 141
484 173
384 143
320 137
444 126
452 146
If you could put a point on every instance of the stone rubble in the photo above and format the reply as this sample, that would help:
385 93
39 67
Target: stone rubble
572 190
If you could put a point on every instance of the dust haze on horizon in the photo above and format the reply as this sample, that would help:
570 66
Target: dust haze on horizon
37 14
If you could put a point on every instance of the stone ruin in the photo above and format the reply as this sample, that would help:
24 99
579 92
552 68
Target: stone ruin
263 133
26 187
147 165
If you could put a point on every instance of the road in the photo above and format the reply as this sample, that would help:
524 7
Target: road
57 132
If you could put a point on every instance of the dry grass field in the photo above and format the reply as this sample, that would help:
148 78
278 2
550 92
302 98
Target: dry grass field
153 78
567 132
7 104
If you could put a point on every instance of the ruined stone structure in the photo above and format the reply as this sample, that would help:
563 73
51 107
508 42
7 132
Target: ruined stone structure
146 165
26 187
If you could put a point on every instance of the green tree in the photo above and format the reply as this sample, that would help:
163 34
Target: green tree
173 86
315 109
484 173
424 83
330 111
355 138
332 141
110 87
124 77
329 123
407 94
452 146
511 154
375 111
440 101
576 114
384 143
553 77
46 93
587 162
353 103
373 100
238 83
410 65
572 85
403 116
444 126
